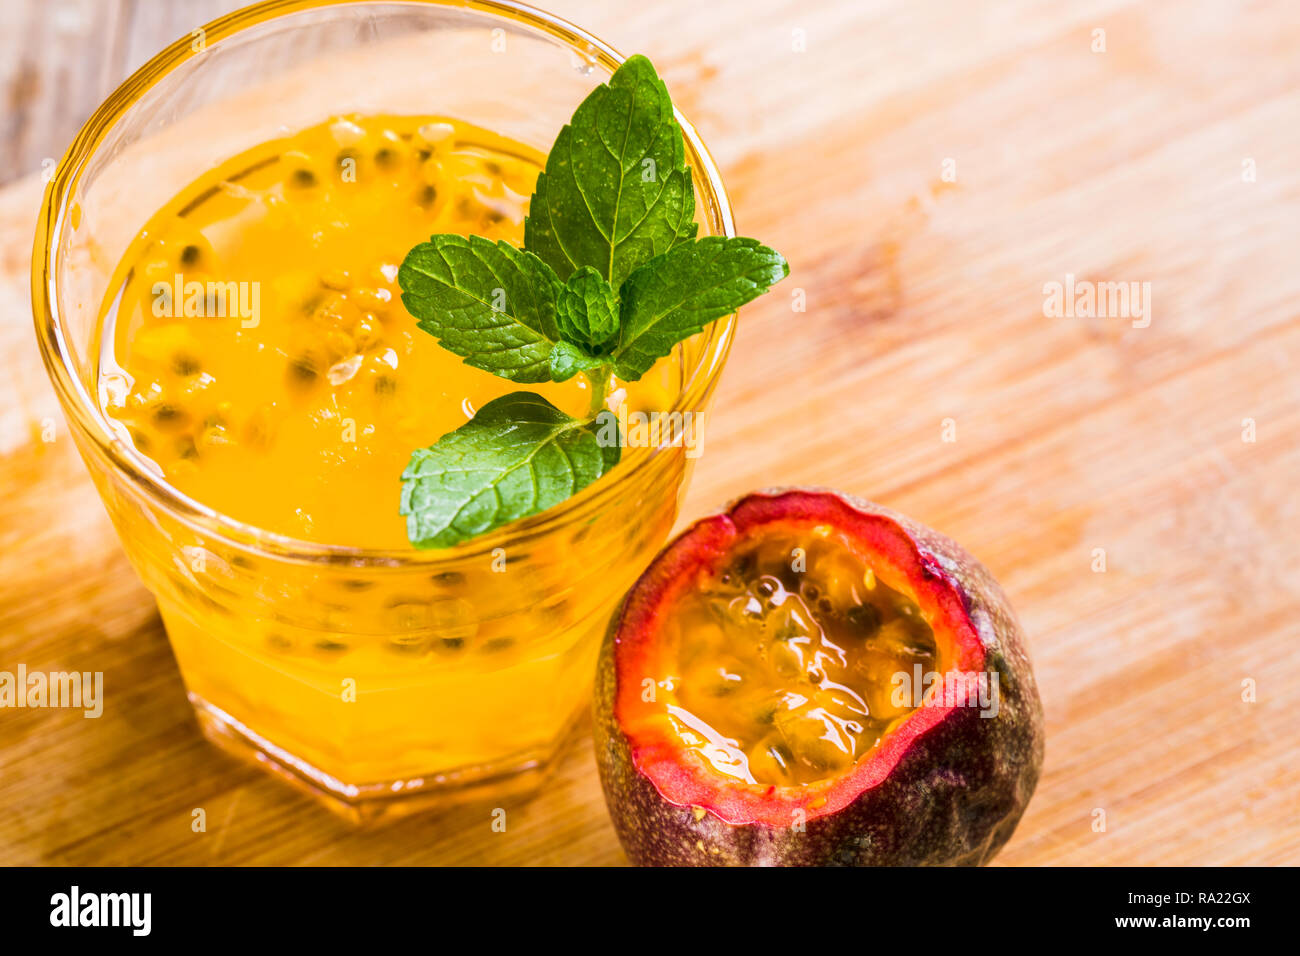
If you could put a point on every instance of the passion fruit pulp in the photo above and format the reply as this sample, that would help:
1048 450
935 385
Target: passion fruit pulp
781 665
810 679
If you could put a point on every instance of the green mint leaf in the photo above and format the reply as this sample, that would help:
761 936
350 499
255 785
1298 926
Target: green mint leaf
675 295
490 303
616 191
611 278
567 360
518 456
587 311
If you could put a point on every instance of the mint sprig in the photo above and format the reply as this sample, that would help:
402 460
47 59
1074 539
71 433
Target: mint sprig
675 295
490 303
616 190
610 279
588 309
567 360
519 455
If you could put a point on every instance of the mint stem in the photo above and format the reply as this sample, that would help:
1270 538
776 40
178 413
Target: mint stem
598 378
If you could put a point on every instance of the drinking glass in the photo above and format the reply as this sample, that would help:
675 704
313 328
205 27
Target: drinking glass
378 680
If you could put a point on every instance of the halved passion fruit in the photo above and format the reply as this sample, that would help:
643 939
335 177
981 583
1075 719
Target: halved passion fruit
810 679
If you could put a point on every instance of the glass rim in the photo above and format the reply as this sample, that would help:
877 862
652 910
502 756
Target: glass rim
88 419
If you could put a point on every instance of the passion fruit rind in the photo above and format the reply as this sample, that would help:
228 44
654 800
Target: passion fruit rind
953 798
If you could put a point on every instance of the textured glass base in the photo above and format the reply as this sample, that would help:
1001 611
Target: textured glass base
518 776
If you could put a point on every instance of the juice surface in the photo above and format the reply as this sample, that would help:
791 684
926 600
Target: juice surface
254 345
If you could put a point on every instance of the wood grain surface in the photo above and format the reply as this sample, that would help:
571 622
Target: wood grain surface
1172 158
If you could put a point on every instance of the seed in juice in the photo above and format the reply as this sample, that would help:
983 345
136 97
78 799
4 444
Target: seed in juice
279 642
449 645
426 196
770 760
170 416
185 448
762 712
554 612
184 364
368 332
390 152
728 583
842 581
744 567
864 619
792 621
896 636
745 609
302 370
302 178
817 738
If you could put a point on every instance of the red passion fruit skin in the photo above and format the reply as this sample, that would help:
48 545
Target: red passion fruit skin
944 787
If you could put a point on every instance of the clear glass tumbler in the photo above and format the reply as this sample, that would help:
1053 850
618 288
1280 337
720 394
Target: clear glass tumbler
377 680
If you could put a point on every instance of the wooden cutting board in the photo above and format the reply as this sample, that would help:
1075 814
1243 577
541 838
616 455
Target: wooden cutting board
928 168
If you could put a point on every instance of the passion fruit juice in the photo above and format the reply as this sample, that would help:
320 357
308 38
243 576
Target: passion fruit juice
255 351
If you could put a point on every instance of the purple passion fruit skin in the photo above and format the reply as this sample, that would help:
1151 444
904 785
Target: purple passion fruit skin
958 786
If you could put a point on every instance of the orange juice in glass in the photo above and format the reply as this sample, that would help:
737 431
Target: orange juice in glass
216 300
